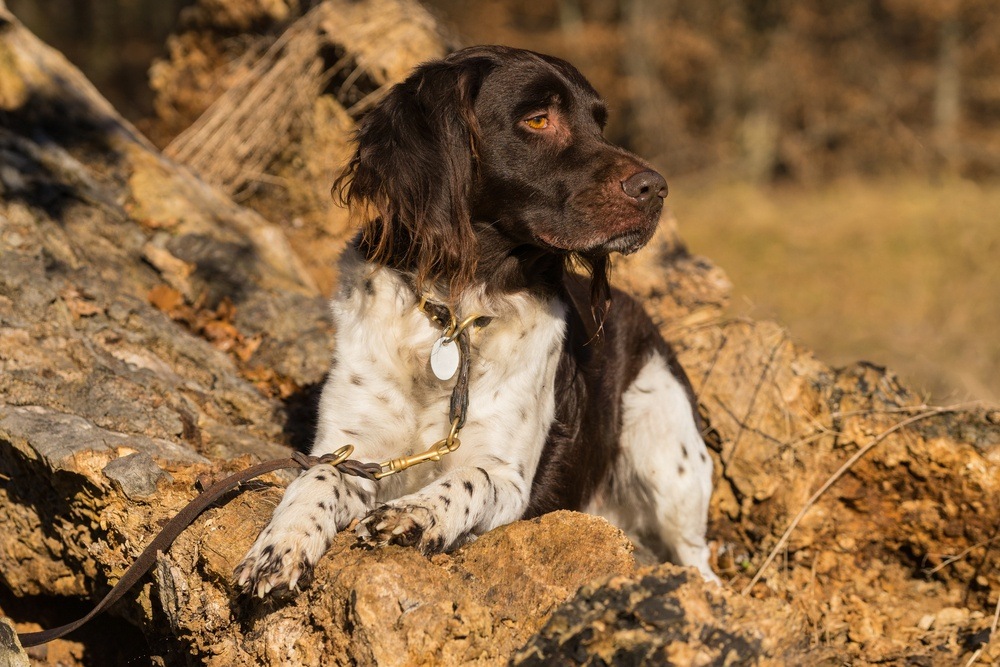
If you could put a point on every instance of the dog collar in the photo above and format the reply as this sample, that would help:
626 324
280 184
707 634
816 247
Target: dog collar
450 353
444 316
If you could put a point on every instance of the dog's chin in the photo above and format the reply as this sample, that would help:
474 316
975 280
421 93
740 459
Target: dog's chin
625 243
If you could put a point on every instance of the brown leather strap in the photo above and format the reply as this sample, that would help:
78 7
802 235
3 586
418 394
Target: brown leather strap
459 404
182 520
441 314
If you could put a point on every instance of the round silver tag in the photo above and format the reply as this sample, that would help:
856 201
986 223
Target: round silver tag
444 358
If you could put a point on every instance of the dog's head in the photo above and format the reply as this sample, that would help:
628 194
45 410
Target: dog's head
496 155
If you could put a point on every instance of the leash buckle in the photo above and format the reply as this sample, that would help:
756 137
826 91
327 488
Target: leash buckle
334 458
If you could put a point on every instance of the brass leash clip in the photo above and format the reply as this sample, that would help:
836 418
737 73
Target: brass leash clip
433 453
453 332
456 328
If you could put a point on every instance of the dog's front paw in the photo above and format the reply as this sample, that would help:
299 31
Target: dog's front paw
282 558
405 525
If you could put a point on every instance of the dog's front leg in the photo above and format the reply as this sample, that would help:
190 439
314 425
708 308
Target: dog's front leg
321 501
466 501
511 406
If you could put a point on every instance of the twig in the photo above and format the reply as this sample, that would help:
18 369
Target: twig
711 365
993 631
753 398
833 478
368 100
965 552
903 409
742 424
821 432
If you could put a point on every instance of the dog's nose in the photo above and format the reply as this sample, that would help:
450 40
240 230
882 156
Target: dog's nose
644 186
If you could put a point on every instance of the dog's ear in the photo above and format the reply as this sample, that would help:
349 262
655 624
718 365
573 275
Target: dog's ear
599 267
413 171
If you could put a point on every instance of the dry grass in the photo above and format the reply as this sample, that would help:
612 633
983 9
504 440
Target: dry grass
903 273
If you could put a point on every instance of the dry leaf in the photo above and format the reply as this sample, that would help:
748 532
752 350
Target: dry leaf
165 298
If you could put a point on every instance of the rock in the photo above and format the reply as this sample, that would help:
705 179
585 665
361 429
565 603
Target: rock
91 367
135 475
11 653
389 606
665 616
68 442
951 616
84 199
154 334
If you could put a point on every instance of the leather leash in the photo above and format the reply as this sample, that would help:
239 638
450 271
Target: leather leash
455 330
185 518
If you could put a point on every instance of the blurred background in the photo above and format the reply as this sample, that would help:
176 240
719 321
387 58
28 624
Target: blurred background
840 159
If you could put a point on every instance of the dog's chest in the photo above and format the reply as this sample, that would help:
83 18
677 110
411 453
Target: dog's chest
383 372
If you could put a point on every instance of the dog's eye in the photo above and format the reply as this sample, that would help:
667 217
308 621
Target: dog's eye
539 122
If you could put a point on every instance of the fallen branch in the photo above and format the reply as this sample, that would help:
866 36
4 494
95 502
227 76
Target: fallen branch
965 552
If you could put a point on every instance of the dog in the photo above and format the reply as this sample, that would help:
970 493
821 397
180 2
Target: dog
482 180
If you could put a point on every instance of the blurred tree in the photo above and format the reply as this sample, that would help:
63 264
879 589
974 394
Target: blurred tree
797 89
112 41
768 89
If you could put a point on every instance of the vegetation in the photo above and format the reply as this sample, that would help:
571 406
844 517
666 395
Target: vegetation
901 271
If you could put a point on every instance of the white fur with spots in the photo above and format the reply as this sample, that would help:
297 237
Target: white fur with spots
382 397
658 489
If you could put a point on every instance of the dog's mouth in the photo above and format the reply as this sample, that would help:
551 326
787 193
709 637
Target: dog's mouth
626 243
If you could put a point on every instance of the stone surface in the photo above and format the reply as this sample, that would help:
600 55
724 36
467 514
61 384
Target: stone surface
11 653
96 230
135 475
150 325
664 616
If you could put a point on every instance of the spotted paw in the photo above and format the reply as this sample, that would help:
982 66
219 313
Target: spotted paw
282 558
407 525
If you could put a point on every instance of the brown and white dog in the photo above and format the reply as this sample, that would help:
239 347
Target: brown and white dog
482 177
